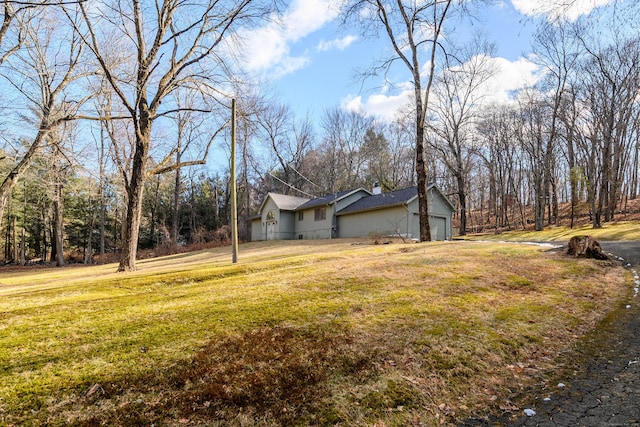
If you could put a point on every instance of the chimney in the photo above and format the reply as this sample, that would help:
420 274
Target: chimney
376 189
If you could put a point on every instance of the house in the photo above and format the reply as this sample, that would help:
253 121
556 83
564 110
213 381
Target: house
353 213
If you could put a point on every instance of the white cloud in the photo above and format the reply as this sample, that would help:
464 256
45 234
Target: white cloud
306 16
268 48
380 105
340 44
564 10
510 77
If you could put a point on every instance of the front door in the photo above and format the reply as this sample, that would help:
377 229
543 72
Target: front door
271 230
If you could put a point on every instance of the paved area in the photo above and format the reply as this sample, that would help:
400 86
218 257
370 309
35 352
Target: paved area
605 391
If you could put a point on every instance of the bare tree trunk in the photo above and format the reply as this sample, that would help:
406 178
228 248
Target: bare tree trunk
421 173
88 255
101 195
58 225
23 247
135 191
44 234
14 228
176 200
462 197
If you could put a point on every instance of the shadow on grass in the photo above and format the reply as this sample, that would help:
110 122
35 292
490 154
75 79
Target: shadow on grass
268 376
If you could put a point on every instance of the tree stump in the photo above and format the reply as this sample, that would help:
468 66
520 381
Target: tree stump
585 246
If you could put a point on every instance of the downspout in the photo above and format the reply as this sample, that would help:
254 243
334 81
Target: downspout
406 206
334 226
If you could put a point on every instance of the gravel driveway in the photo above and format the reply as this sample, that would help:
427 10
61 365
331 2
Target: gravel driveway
605 391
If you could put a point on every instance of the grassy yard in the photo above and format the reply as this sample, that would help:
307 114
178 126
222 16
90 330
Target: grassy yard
618 230
296 333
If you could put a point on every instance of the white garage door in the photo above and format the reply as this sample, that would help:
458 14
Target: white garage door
438 228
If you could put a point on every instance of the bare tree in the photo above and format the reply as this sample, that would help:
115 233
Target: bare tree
59 166
456 108
344 134
610 86
175 45
10 10
556 51
402 170
503 161
195 133
415 31
274 124
42 75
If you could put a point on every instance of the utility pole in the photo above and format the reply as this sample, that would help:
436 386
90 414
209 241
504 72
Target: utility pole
234 197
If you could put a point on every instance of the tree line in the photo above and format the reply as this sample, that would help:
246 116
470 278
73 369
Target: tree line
113 108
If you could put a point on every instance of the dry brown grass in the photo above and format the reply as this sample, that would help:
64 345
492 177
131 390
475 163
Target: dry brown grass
298 333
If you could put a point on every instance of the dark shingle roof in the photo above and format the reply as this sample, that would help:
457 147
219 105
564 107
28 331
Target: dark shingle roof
324 200
377 201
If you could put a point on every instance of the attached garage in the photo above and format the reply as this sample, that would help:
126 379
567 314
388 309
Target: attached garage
354 213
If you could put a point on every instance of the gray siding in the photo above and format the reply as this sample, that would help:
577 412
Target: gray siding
287 225
347 200
391 221
438 206
440 212
256 230
309 228
283 223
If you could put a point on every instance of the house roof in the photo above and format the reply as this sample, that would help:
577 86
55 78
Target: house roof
387 200
284 202
366 203
377 201
328 199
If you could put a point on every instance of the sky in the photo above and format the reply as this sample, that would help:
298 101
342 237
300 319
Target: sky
311 61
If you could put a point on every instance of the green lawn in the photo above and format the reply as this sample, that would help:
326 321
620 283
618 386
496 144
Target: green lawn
296 333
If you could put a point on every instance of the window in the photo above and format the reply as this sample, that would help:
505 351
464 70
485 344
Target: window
320 214
271 216
300 216
299 236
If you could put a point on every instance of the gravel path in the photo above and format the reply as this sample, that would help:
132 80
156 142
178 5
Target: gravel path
606 388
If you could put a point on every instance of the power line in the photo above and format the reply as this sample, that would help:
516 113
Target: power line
305 178
291 186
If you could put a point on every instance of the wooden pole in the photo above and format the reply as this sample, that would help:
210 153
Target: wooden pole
234 197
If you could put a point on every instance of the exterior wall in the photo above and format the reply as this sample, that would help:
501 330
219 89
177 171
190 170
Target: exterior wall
391 221
286 225
440 209
256 230
438 206
346 201
282 224
439 217
309 228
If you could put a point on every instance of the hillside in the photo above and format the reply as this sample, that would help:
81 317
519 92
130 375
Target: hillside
297 333
485 222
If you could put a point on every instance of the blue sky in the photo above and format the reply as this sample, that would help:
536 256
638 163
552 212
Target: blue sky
310 61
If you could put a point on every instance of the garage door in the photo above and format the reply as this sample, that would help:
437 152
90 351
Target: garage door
438 228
